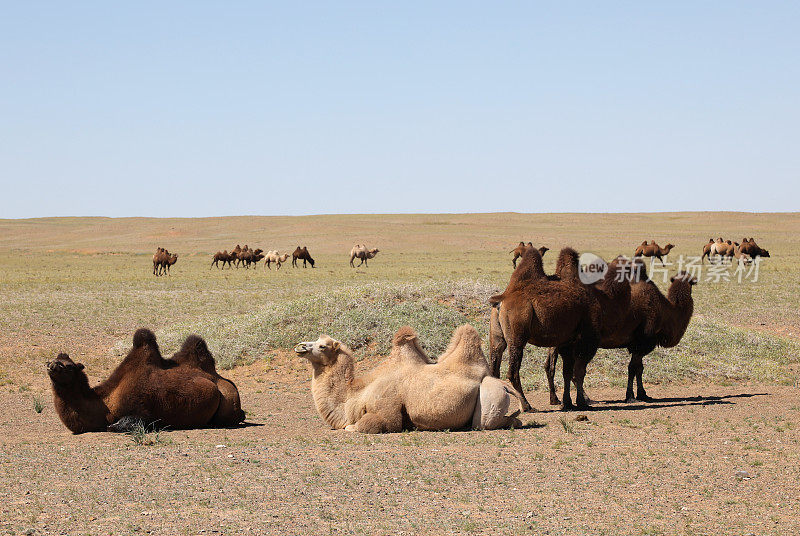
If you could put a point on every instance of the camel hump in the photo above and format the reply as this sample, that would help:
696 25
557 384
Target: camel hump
144 337
644 243
404 335
194 343
465 347
567 264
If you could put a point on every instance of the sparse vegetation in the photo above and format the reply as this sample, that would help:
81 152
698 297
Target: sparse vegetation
145 435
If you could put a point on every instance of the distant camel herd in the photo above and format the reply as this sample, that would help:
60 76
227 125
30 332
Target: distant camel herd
409 389
247 257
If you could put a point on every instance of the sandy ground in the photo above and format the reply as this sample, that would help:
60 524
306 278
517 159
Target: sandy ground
700 460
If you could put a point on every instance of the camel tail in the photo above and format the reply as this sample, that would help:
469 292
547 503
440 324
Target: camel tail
495 300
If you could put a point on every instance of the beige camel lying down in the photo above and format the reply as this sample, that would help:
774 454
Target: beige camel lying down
408 390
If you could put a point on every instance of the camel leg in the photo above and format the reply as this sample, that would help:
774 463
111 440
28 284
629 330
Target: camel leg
578 374
268 265
374 423
632 368
641 394
497 343
567 365
515 351
550 372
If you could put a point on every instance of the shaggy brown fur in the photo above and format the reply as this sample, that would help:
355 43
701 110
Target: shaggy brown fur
751 248
653 250
520 249
144 387
195 353
651 320
302 254
557 311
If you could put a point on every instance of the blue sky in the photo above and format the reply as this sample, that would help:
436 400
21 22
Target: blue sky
228 108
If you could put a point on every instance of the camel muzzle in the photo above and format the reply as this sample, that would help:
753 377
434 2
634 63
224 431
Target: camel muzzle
302 348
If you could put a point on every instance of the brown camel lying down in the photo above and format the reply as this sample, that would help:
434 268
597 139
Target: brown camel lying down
407 391
520 249
650 320
184 392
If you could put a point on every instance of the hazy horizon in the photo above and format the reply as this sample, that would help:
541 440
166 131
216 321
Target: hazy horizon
206 110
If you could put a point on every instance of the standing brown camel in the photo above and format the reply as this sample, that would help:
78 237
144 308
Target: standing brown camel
144 388
653 250
162 260
542 311
751 248
651 320
302 254
224 257
520 249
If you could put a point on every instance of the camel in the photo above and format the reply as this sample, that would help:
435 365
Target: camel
650 320
556 311
742 258
751 248
653 250
223 256
723 249
361 252
277 258
407 391
162 260
520 249
303 255
249 256
169 261
707 250
158 258
145 387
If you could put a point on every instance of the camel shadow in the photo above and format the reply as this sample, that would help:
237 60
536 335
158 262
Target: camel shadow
659 403
244 424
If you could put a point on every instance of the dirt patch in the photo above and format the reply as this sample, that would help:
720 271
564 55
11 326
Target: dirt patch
699 460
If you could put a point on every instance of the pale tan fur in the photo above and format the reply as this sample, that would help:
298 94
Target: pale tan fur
407 390
277 258
361 252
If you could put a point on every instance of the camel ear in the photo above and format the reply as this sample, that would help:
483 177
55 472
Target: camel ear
336 345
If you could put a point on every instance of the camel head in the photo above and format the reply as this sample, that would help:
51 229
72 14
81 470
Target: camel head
668 247
764 253
543 250
324 351
64 371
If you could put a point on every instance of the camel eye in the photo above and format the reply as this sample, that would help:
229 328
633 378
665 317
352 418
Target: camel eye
321 346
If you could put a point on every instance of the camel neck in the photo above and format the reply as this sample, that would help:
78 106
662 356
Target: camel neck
79 407
331 387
